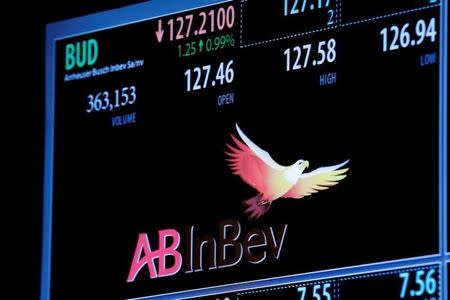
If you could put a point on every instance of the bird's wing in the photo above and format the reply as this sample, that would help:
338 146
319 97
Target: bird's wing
251 163
317 180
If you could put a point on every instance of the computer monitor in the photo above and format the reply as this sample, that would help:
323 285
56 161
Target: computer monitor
245 149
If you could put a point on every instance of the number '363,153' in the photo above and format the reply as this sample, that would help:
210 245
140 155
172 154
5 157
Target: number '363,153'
109 101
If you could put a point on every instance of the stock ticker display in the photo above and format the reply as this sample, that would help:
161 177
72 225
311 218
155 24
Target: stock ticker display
245 149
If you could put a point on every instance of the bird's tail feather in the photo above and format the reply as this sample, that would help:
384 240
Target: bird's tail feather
255 209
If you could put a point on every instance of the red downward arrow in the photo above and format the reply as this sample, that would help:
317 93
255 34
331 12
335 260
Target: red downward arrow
159 33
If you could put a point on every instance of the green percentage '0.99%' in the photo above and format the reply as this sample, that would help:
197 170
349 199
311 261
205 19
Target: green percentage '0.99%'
206 45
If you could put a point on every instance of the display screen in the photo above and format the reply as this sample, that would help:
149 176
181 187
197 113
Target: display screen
247 150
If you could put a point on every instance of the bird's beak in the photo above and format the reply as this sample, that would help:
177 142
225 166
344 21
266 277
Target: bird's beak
306 164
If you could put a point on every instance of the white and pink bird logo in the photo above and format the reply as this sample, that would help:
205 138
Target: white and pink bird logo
274 181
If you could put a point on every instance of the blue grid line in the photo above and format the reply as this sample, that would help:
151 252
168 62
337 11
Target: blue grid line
340 25
294 279
443 97
336 280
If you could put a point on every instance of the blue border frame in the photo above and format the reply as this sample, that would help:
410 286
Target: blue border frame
157 8
443 98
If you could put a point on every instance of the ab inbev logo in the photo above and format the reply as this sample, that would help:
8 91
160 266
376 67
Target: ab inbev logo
149 257
273 181
206 252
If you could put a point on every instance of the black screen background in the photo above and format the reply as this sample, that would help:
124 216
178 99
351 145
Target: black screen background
382 115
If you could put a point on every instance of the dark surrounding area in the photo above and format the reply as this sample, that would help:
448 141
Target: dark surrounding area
26 43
